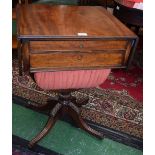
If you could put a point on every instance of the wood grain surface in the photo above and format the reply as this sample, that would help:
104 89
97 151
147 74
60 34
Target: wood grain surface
41 46
66 55
71 59
38 20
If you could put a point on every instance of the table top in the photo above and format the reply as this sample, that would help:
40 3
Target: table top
62 21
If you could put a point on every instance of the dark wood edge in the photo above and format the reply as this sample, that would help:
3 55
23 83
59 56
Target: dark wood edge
132 53
65 38
109 132
22 144
33 70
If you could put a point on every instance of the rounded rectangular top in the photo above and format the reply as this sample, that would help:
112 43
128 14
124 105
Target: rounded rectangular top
62 21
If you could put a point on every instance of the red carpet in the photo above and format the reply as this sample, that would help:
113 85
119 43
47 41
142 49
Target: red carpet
130 81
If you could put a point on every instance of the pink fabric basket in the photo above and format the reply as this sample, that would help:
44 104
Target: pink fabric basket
71 79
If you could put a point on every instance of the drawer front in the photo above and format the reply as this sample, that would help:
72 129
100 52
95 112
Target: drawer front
40 46
68 60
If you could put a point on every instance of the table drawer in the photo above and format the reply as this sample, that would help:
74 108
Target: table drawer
68 60
40 46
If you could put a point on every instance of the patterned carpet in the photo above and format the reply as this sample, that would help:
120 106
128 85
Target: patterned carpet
116 104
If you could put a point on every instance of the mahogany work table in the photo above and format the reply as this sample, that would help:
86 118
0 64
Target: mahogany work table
71 37
57 38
